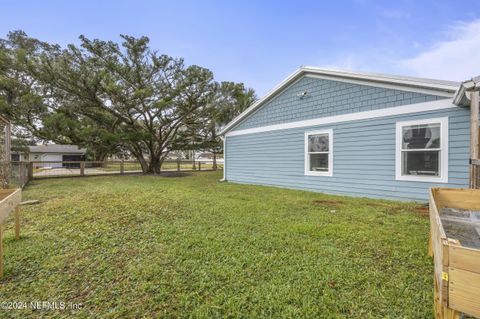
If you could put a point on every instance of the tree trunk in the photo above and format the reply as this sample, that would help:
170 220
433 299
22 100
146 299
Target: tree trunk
100 157
214 165
144 165
155 164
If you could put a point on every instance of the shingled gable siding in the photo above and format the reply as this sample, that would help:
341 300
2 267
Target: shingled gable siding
327 98
363 150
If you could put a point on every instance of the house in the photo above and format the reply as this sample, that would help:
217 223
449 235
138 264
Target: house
356 134
18 156
54 154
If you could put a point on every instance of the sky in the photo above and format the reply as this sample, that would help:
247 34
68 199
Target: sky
260 42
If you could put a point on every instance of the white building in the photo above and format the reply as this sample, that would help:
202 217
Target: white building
54 154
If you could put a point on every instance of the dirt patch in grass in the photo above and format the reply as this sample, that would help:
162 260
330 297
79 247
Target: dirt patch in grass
332 284
328 203
423 211
174 174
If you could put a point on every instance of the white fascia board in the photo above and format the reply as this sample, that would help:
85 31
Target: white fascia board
391 111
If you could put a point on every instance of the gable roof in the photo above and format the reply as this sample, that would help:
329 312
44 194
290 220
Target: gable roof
429 86
57 148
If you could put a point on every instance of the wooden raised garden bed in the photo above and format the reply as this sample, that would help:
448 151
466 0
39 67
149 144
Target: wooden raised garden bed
455 247
9 201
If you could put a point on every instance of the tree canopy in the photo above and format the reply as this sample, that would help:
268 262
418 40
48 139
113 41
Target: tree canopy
112 97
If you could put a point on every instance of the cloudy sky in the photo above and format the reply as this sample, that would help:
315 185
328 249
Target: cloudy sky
261 42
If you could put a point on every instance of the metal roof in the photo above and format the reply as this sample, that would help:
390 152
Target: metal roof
57 148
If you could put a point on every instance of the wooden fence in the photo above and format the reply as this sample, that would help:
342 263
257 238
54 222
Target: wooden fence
14 174
24 171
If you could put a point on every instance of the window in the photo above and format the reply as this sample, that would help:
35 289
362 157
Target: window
319 153
422 150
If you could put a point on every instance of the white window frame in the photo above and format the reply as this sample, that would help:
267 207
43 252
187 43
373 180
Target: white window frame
330 153
443 170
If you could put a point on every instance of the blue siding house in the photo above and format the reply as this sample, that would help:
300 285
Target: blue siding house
357 134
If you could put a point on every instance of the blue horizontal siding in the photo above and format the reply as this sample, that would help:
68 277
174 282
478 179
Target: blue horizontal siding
363 158
328 98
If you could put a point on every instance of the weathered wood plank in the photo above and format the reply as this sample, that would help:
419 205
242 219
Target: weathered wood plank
465 258
464 291
439 248
458 198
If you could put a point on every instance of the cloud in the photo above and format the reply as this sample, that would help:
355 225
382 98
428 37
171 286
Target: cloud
457 58
374 59
347 62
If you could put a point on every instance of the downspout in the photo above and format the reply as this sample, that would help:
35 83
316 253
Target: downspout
224 139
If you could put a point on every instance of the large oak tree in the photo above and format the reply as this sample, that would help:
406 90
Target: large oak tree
118 95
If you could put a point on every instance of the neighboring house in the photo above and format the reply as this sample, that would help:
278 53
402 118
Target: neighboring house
54 154
358 134
19 156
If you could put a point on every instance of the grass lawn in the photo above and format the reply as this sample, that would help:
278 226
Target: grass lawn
146 246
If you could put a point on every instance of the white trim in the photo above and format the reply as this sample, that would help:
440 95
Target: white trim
437 87
443 178
391 111
308 172
392 86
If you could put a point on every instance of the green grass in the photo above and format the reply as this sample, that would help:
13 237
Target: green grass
146 246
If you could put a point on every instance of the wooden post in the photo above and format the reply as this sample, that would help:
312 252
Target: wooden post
178 164
82 168
199 166
21 174
30 170
17 222
474 134
122 167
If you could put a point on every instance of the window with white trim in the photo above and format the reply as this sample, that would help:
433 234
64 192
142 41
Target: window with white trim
319 153
422 150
